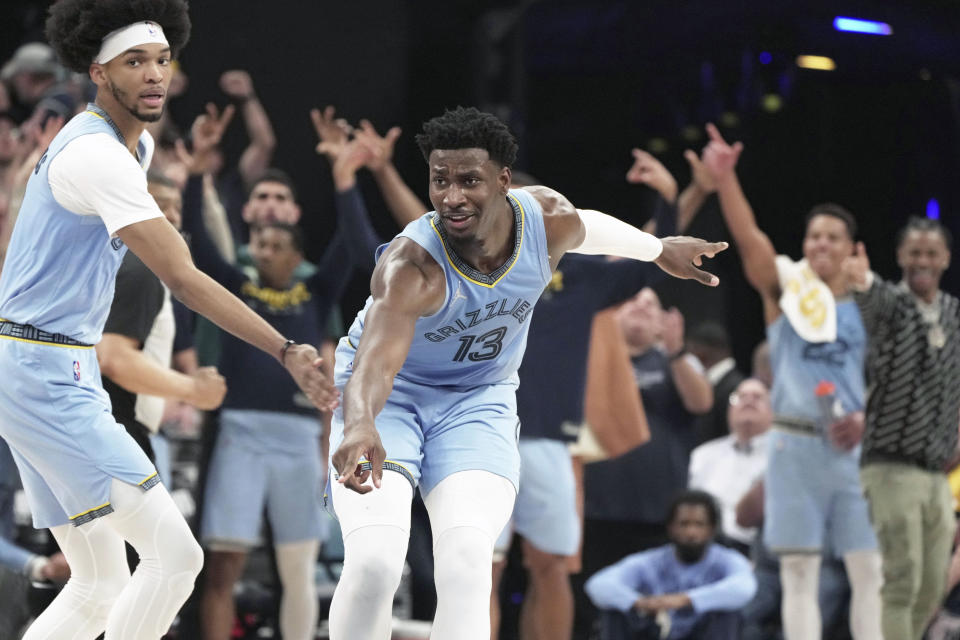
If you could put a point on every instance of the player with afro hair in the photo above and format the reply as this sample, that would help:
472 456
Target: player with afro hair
76 28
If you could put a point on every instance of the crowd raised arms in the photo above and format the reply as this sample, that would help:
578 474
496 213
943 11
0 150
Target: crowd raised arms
460 399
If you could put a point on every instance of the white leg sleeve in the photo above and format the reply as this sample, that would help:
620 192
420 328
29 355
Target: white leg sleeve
468 510
864 569
98 573
376 529
101 594
170 560
296 564
800 577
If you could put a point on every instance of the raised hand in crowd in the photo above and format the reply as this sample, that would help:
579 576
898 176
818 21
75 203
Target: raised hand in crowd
381 146
255 159
720 157
404 205
648 170
333 133
695 194
672 331
206 133
354 155
856 268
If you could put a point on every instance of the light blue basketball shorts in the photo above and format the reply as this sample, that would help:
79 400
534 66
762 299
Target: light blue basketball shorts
431 432
813 498
264 460
56 418
546 509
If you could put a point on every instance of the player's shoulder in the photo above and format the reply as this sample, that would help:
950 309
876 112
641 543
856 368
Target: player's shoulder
551 201
94 153
405 261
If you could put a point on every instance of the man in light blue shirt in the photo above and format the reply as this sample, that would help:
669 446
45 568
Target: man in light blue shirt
690 589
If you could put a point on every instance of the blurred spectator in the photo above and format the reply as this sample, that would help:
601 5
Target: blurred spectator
911 425
690 589
710 342
29 74
627 498
727 467
813 492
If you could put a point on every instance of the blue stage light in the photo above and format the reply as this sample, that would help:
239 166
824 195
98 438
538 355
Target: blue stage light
933 209
857 25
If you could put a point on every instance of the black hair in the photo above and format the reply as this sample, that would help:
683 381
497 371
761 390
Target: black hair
916 223
694 497
835 211
710 334
76 28
155 177
469 128
296 235
275 175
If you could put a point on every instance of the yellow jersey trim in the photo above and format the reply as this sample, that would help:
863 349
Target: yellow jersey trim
516 253
45 344
152 475
105 504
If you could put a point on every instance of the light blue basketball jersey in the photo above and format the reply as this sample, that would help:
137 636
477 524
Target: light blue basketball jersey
479 334
61 266
798 365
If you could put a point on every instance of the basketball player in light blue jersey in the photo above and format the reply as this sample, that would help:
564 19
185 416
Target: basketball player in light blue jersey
86 202
429 372
812 483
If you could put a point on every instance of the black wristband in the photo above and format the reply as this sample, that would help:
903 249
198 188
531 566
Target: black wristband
677 355
283 350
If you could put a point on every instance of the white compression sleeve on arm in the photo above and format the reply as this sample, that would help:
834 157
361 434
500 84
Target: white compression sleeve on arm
605 235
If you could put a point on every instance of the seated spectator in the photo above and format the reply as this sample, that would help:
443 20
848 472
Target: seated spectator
689 589
727 467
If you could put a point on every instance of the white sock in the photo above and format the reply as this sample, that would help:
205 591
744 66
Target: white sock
296 564
468 510
864 569
800 578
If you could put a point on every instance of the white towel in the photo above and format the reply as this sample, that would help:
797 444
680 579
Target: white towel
806 301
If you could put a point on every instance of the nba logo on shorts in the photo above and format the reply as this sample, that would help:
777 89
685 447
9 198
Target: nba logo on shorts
76 371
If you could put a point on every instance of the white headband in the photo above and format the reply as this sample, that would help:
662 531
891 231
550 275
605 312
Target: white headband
116 42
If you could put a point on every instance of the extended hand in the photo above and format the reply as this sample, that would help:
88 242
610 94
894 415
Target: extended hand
355 154
206 132
682 255
303 363
649 171
360 444
846 432
699 174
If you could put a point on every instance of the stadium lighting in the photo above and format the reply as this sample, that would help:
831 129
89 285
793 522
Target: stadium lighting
856 25
933 209
821 63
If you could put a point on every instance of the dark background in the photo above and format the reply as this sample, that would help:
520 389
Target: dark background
581 82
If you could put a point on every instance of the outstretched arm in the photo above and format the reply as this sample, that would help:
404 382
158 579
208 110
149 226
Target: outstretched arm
406 285
756 250
256 157
592 232
403 203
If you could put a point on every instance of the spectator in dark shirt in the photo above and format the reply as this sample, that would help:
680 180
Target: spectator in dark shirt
710 342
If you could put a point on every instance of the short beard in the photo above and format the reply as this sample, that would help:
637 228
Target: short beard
119 96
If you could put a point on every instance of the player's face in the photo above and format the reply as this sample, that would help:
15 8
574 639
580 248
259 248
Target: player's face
271 202
137 80
826 244
274 255
923 257
465 188
749 413
169 201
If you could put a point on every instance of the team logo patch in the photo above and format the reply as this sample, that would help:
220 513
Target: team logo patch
116 243
76 371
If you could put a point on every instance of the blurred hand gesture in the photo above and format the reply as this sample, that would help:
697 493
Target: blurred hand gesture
649 171
303 362
719 157
333 133
682 255
237 84
206 133
856 268
209 388
699 174
381 146
672 330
